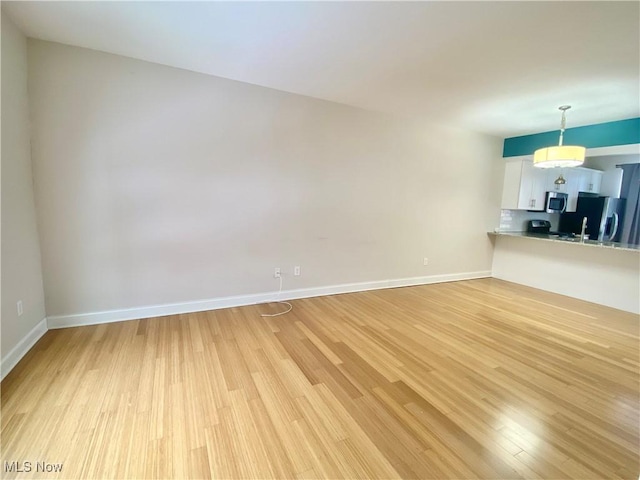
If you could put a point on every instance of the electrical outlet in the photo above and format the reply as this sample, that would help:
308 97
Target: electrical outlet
296 270
19 306
276 273
425 261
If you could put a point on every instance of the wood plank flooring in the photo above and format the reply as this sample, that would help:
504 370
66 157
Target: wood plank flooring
472 379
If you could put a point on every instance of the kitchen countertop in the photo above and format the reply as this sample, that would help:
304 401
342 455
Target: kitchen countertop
575 241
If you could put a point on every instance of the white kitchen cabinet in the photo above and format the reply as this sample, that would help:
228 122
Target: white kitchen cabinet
577 180
597 181
536 178
583 179
524 186
590 180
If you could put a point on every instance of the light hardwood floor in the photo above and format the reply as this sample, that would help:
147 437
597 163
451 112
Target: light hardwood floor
473 379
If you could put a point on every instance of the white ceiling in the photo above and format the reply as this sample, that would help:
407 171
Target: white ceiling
501 68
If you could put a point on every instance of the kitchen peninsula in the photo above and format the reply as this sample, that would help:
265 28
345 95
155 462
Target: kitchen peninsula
603 272
607 273
575 241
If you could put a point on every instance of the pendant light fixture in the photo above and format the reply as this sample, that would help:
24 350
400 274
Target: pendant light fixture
560 180
561 155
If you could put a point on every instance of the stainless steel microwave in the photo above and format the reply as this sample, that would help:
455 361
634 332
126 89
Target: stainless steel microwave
556 202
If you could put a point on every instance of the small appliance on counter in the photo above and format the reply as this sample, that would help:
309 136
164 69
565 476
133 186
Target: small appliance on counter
541 227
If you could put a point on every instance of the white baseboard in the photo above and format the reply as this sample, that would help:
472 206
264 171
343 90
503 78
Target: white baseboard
94 318
12 358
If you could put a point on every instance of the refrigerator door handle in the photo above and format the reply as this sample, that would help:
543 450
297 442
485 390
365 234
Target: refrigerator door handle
616 222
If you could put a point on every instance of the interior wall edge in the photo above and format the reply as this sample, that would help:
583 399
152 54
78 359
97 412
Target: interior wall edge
95 318
11 359
22 297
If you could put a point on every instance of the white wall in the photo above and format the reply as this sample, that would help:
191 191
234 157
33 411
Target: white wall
157 185
21 271
606 276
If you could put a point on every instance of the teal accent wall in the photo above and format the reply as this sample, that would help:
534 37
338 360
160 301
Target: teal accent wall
621 132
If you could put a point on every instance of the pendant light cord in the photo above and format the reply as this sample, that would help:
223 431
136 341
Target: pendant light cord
563 122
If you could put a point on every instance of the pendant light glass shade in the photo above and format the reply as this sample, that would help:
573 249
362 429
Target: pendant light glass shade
561 155
560 180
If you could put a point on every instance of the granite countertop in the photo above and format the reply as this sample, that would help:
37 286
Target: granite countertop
574 241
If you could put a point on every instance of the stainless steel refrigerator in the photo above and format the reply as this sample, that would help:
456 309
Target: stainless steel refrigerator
604 218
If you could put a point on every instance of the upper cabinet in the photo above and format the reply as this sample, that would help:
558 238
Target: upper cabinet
591 180
525 186
577 180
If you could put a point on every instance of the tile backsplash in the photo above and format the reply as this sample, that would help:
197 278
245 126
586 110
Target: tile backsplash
516 220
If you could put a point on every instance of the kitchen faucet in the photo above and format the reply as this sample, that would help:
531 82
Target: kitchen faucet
584 228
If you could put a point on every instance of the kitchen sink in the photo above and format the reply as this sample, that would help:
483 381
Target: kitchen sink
570 239
587 241
604 244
